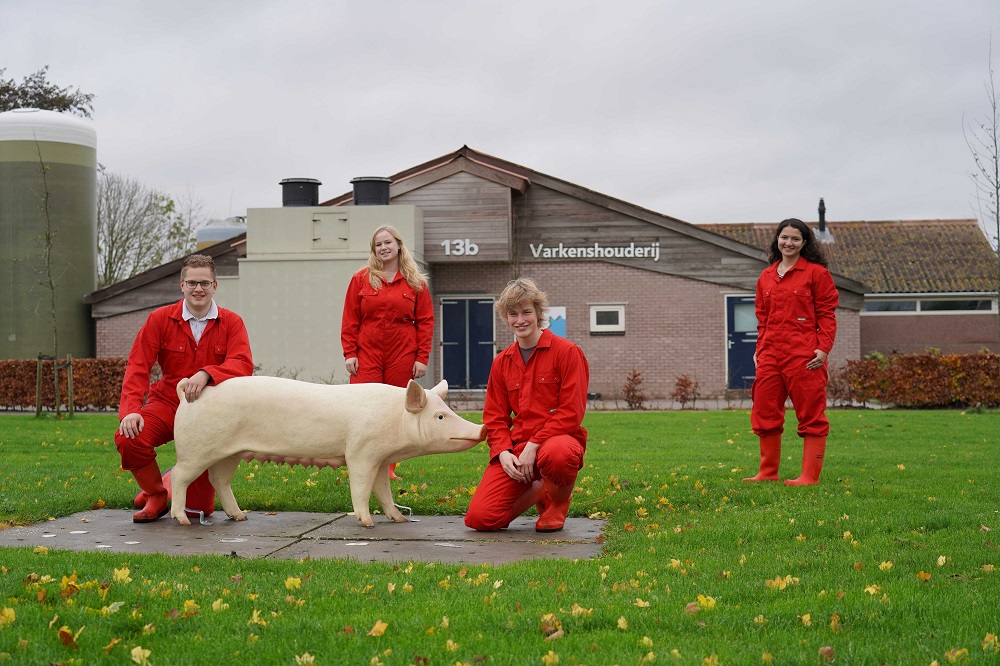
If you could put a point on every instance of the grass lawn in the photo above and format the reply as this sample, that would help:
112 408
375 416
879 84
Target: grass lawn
890 560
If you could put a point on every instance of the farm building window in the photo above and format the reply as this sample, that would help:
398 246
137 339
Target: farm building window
937 306
890 306
607 319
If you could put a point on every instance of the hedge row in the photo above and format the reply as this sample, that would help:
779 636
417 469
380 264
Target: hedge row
899 380
97 384
919 380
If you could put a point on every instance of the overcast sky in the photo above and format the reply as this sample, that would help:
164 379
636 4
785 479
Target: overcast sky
721 111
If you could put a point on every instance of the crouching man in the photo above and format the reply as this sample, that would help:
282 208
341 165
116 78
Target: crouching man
194 339
536 398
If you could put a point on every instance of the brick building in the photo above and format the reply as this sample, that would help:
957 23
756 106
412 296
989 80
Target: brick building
637 290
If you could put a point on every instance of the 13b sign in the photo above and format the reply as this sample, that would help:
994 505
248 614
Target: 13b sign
459 247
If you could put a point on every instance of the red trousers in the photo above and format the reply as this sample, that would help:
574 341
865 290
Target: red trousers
139 452
395 369
775 382
559 460
157 429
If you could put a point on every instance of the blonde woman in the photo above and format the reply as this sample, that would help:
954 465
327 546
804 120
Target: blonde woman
388 317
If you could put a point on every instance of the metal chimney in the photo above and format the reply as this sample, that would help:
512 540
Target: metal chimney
371 190
823 235
300 192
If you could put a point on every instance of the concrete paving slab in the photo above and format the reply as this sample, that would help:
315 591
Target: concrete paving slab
298 535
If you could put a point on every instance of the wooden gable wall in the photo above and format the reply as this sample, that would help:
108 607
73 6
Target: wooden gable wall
463 207
546 217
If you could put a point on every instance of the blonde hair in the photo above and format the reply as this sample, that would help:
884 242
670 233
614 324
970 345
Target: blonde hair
519 291
407 266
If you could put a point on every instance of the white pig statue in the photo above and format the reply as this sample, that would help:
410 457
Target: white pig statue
363 426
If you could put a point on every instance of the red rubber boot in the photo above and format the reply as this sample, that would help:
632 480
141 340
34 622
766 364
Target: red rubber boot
149 480
770 458
200 495
812 462
555 505
392 473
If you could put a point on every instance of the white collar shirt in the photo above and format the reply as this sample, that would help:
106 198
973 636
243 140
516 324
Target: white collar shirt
198 325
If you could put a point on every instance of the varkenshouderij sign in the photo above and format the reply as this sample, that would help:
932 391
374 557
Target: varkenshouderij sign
596 251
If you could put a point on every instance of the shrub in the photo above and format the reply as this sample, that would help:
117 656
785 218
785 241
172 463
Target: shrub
685 391
97 383
926 380
634 396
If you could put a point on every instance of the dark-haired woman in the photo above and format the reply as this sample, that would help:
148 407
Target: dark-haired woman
796 304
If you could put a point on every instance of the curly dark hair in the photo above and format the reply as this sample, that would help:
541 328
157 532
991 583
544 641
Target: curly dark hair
811 250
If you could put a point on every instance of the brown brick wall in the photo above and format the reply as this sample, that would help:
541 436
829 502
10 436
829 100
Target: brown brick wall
914 333
116 334
674 326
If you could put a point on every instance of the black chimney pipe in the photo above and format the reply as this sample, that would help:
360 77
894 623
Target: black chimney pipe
300 192
822 215
371 190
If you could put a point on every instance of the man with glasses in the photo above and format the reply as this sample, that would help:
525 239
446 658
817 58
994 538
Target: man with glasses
193 338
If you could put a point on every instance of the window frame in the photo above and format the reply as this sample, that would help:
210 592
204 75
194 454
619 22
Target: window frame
607 329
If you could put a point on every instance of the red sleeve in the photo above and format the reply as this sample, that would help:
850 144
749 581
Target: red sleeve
497 410
825 301
141 359
350 324
238 362
761 313
568 416
425 324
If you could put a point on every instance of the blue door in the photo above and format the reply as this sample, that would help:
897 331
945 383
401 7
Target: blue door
741 341
467 341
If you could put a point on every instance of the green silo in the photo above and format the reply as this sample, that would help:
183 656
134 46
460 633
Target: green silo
48 233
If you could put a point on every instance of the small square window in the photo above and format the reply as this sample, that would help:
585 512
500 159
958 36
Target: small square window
607 319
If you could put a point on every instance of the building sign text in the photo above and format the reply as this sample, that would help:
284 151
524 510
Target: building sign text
596 251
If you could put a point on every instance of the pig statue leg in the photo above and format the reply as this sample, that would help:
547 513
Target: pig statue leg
383 493
366 476
181 476
221 476
362 476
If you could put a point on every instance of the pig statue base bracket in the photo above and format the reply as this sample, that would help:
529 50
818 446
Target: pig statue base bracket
201 516
272 419
409 517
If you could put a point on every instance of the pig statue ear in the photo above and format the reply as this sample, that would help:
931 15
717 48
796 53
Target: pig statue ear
441 389
416 400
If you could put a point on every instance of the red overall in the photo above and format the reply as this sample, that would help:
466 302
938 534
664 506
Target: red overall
223 352
543 402
796 315
386 330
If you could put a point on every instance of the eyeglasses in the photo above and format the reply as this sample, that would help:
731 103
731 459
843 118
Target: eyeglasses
194 284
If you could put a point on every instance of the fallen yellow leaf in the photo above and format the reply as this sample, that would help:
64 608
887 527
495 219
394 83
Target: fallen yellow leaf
379 628
140 656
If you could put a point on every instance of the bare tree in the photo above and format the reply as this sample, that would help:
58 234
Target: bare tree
139 228
47 243
983 139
